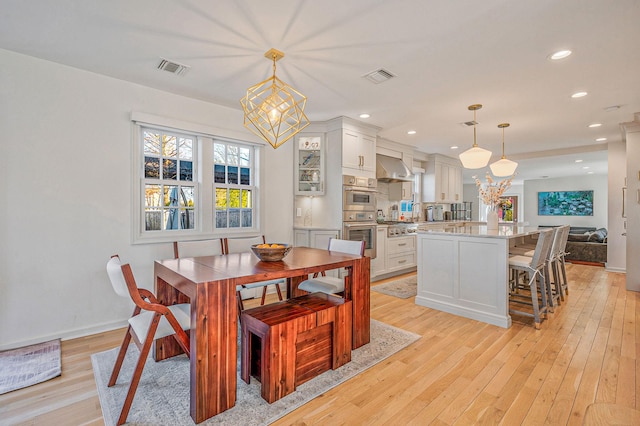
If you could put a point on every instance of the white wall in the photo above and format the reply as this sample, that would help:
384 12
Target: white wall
632 137
598 183
66 181
617 166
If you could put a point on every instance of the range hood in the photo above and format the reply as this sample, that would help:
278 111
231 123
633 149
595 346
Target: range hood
390 169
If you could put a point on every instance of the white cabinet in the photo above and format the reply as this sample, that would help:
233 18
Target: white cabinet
358 153
314 238
400 191
442 181
401 253
379 264
351 147
395 254
309 173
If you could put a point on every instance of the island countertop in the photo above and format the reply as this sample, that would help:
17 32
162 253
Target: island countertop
503 231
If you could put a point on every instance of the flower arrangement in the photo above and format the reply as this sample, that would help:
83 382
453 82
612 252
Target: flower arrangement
491 193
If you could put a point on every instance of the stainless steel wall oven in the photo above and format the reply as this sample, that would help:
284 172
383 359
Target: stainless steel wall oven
359 212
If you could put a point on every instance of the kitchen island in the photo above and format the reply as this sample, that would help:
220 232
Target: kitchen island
464 271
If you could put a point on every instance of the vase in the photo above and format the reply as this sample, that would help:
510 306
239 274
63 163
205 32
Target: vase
492 219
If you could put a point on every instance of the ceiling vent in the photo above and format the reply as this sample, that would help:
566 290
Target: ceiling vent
379 76
172 67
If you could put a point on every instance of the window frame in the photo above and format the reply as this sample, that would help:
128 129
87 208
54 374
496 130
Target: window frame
203 181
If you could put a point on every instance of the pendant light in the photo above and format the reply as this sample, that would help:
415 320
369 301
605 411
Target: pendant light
503 167
475 157
273 110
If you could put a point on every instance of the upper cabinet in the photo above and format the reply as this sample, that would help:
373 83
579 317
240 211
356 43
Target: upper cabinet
358 152
400 191
310 164
355 144
442 181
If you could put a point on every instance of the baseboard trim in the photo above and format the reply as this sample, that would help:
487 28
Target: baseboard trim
584 262
66 335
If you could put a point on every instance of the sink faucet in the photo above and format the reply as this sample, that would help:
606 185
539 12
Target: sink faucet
413 209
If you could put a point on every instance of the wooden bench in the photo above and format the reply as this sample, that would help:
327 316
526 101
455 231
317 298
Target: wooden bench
287 343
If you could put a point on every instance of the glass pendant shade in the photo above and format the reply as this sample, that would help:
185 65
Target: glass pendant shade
475 157
503 167
273 110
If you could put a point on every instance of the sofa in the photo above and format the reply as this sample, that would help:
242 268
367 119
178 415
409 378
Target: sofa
586 245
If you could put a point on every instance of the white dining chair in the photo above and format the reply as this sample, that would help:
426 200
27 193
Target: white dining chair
328 284
151 320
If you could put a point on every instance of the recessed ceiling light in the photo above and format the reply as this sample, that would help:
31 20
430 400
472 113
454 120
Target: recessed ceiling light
592 125
589 173
578 161
560 54
453 147
585 167
579 94
601 139
365 115
411 132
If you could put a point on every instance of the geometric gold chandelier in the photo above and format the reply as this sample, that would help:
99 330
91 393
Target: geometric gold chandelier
503 167
273 110
475 157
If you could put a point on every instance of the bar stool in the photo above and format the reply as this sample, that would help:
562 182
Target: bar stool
564 284
534 267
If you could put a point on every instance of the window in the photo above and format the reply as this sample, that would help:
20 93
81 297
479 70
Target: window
169 189
233 182
192 185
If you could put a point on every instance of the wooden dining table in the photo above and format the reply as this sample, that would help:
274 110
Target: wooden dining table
209 283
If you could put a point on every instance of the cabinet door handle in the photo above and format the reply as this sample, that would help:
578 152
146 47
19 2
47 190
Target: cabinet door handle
402 261
624 191
402 244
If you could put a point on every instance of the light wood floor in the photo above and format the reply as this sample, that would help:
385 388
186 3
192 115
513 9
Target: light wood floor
459 372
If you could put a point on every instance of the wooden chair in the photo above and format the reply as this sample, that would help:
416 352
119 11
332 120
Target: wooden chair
198 248
151 320
241 245
332 285
212 247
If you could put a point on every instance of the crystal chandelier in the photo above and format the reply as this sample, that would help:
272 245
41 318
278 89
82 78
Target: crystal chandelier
273 110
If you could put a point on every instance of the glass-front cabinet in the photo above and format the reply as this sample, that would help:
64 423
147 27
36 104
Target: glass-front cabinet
310 159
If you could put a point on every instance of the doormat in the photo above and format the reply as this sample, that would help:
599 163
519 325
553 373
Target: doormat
162 397
403 288
30 365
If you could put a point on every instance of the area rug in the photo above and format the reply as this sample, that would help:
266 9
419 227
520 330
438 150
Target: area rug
30 365
163 395
403 288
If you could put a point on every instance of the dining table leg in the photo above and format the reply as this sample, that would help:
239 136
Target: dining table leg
358 291
213 343
214 346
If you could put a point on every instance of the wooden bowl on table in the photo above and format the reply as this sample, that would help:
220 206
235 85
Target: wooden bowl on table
271 252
